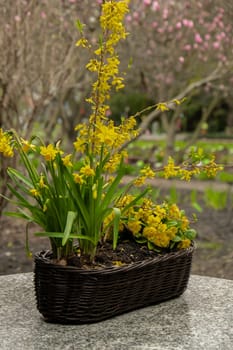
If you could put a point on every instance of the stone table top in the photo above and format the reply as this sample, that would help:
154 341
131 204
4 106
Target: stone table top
202 318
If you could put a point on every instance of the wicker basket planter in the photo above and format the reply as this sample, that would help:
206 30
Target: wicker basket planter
68 294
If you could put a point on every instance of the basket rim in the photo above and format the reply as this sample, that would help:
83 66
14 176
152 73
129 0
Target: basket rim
43 257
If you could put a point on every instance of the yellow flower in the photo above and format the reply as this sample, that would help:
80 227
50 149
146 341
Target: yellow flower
106 63
49 152
162 240
78 178
153 220
113 163
162 107
212 168
126 199
185 243
184 223
170 169
5 144
148 172
134 226
172 231
149 232
160 211
34 192
41 182
7 151
174 212
140 181
26 145
82 42
45 207
105 134
66 160
185 174
93 65
94 191
158 235
87 171
80 145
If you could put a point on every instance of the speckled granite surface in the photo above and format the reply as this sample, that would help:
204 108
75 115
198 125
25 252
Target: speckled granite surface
202 318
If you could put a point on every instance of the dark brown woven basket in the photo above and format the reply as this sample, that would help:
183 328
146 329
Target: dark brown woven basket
67 294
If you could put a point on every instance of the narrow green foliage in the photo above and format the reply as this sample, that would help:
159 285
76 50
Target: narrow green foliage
79 25
194 201
215 199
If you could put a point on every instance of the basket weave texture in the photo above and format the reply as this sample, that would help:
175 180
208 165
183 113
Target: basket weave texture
67 294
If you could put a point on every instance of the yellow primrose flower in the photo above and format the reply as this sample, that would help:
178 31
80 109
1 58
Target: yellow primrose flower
185 243
172 231
174 212
162 240
157 237
160 211
153 220
134 226
149 232
184 223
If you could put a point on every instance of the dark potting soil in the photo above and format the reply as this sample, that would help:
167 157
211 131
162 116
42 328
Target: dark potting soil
126 252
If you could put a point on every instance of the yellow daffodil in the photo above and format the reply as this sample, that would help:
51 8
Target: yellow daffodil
49 152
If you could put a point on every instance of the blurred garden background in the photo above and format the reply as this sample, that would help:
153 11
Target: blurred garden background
175 50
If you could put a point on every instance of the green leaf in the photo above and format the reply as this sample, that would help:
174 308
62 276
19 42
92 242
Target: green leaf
22 201
49 234
61 235
176 239
79 202
14 214
116 222
151 246
190 234
100 40
196 206
194 201
71 216
13 173
29 254
112 190
79 25
172 223
140 240
135 200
